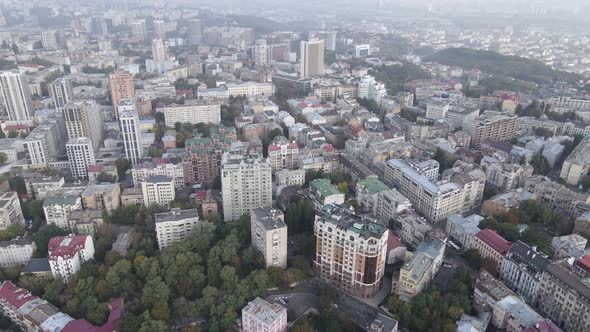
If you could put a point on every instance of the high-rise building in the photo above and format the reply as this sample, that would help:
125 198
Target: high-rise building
10 210
46 142
158 50
159 29
494 126
158 189
16 95
260 52
351 252
259 315
195 31
80 155
139 29
121 86
84 119
269 235
371 89
175 225
67 253
312 58
61 92
49 40
129 126
577 164
331 40
246 183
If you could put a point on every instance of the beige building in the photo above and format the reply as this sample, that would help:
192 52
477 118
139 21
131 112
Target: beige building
131 196
351 252
283 155
577 164
10 210
491 245
194 111
102 196
494 126
158 189
175 225
269 235
121 86
85 221
312 58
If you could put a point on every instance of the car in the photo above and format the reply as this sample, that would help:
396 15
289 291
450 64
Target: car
447 265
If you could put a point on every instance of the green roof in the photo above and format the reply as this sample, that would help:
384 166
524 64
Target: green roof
198 141
63 200
324 187
373 185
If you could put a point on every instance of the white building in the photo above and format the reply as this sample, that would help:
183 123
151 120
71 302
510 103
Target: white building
250 89
46 142
57 210
158 189
10 210
49 40
194 112
144 170
437 108
463 230
80 155
371 89
67 253
259 315
16 252
521 270
84 119
388 204
269 235
62 92
16 95
129 125
285 177
457 116
246 183
175 225
158 50
260 52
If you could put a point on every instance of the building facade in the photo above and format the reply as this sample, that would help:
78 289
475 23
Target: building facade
312 58
158 189
102 196
83 119
67 253
521 270
175 225
269 235
80 155
16 95
58 210
197 111
121 87
132 143
10 210
62 92
259 315
16 252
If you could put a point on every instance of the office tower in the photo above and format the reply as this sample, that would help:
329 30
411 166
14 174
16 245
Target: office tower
84 119
175 225
49 40
371 89
10 210
67 253
16 95
195 31
269 235
246 183
260 52
138 30
158 50
129 126
158 189
159 29
260 315
331 40
121 86
312 58
62 92
101 26
80 155
350 251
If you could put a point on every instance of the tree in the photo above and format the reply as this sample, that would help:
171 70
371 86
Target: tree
122 166
12 231
53 291
343 187
472 256
3 157
2 134
155 152
12 134
17 183
104 177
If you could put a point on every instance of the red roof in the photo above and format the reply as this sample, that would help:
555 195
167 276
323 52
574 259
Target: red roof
584 262
66 246
328 148
495 241
393 242
94 168
14 295
543 326
273 147
16 127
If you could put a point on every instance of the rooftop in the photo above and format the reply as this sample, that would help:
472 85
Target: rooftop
564 274
495 241
270 218
346 220
66 246
63 200
264 311
37 265
158 179
523 254
324 187
177 215
373 185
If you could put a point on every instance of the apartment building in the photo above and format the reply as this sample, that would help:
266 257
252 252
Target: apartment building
493 126
324 192
80 156
62 92
420 267
462 230
58 210
16 252
10 210
102 196
250 89
491 245
577 164
46 142
158 189
350 251
502 203
512 314
370 89
132 141
84 119
121 87
472 181
487 291
367 191
202 163
553 195
285 178
16 95
193 111
388 204
145 169
437 108
246 183
259 315
505 176
564 297
521 270
458 116
283 155
67 253
412 228
434 200
175 225
269 235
